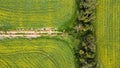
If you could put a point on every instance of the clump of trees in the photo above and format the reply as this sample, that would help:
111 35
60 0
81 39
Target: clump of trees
85 32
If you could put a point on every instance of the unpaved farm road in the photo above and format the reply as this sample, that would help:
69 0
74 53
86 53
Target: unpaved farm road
29 34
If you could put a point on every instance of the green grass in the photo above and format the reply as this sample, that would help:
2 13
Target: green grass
35 14
108 33
43 52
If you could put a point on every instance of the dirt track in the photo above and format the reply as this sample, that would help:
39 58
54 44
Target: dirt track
28 34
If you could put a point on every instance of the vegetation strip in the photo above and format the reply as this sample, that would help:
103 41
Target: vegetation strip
85 32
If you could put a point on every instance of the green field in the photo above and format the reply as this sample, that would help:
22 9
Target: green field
108 33
57 51
43 52
35 14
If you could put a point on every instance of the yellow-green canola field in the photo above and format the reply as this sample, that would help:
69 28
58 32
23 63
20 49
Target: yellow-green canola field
34 14
42 52
108 33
